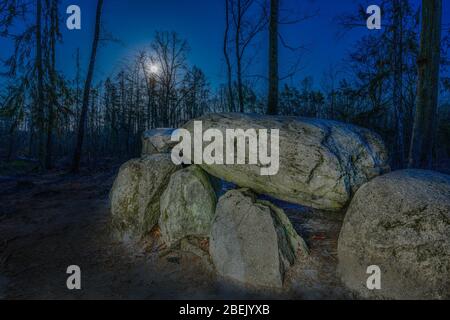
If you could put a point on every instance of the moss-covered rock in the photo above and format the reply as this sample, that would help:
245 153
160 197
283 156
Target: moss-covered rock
399 222
253 241
322 163
187 206
157 141
136 192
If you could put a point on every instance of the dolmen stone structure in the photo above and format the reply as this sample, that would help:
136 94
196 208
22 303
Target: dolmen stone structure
397 221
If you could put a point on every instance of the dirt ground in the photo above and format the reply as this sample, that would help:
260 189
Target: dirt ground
49 222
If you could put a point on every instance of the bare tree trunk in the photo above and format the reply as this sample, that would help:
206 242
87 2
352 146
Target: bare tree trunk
52 104
87 90
239 57
227 57
40 85
151 108
77 80
154 106
272 100
399 145
428 85
12 139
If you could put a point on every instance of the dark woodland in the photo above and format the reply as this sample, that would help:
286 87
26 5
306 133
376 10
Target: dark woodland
58 122
360 116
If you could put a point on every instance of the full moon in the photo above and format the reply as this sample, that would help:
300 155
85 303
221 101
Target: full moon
154 68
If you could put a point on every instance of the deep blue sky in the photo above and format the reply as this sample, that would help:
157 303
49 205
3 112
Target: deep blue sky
201 22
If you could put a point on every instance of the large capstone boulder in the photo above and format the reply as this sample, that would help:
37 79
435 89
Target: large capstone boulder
399 222
321 163
136 193
157 141
253 241
187 206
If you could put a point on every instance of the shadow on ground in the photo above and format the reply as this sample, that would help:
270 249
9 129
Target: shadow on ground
51 221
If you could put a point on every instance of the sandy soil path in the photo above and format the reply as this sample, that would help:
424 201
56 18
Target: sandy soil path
51 221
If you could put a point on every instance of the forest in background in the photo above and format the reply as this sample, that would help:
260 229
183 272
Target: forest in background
389 84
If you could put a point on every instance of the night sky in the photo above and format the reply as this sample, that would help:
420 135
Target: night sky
201 23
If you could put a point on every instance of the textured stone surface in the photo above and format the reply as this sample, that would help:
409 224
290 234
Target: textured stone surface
187 205
253 241
136 192
322 163
157 141
401 223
